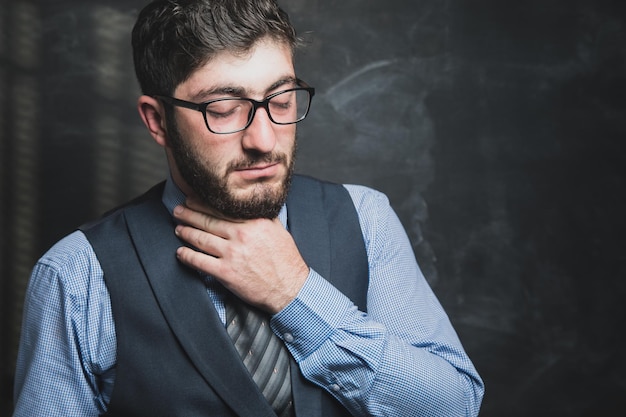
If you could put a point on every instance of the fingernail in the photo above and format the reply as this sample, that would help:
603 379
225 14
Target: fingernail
178 209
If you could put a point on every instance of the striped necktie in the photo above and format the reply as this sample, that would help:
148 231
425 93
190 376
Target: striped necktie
262 352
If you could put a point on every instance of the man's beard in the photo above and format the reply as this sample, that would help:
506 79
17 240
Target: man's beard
212 189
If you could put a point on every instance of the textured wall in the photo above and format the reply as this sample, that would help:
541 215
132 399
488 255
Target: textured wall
497 129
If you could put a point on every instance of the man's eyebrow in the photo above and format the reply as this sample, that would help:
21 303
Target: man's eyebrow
204 94
233 91
283 81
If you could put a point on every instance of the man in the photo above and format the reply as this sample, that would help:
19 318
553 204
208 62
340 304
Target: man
235 288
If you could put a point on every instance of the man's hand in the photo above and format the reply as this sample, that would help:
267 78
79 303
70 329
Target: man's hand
255 259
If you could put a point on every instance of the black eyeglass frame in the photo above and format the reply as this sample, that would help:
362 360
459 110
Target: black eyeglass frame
201 107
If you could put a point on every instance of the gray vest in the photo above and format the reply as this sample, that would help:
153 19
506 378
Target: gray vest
174 357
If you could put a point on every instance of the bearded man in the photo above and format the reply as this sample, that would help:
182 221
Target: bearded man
236 288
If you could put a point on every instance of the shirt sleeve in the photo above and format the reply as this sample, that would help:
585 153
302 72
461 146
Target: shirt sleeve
67 329
400 358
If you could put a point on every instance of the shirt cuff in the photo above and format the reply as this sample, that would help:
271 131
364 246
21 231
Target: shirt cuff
312 317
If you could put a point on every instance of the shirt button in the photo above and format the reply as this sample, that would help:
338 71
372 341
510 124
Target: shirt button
335 387
288 337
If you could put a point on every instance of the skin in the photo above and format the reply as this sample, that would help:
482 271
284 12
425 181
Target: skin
255 259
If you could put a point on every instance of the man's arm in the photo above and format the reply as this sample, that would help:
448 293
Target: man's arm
64 301
402 357
369 368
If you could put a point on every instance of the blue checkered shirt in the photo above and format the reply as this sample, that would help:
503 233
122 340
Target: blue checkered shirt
401 358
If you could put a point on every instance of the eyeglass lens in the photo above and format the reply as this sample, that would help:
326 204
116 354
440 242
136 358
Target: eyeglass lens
231 115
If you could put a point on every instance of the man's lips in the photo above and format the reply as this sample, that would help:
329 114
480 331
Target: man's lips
259 171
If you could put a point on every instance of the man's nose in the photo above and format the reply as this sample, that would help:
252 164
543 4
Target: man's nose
260 135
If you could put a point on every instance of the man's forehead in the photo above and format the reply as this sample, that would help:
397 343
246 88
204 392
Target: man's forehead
266 66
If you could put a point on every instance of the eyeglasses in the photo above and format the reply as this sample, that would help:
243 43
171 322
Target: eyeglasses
231 115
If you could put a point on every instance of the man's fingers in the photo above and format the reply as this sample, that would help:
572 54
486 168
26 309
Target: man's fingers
206 242
199 261
201 221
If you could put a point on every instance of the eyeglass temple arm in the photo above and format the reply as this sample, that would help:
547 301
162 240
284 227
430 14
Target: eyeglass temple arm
180 103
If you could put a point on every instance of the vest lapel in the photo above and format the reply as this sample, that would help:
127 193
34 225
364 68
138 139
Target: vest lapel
309 228
182 297
308 224
322 219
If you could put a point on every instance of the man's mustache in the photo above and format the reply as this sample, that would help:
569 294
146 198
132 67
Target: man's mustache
250 160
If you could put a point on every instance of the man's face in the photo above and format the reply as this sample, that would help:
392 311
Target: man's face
244 174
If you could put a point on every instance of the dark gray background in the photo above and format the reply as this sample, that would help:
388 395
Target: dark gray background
496 127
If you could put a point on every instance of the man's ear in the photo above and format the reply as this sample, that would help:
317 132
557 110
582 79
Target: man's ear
153 116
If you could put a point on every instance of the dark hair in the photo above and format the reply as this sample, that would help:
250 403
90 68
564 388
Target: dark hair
173 38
